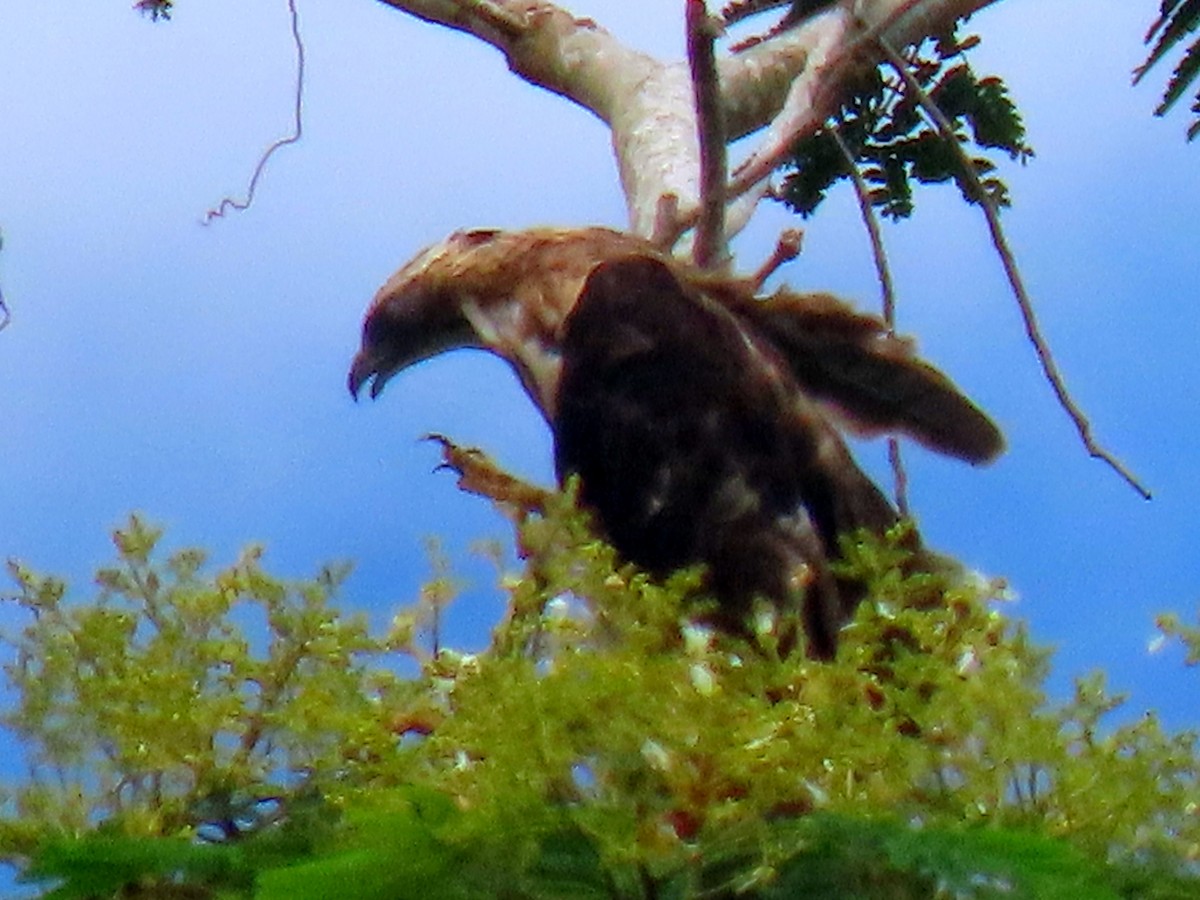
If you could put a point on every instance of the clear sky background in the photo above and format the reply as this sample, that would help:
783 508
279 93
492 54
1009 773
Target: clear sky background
198 374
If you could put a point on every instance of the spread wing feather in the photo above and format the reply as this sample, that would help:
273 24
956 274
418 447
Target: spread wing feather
846 359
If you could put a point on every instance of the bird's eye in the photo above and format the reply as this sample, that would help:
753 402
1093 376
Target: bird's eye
478 236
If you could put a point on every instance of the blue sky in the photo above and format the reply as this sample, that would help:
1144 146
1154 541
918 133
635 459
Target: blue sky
198 374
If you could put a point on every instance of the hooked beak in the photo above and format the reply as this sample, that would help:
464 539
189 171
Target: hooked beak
367 366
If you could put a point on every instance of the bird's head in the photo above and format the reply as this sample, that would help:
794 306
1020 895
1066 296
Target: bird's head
503 291
419 312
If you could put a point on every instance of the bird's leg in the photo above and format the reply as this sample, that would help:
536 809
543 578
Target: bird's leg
478 475
522 630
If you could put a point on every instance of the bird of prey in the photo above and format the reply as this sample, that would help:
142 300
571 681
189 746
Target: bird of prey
698 416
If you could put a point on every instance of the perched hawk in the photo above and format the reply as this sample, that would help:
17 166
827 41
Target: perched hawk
698 416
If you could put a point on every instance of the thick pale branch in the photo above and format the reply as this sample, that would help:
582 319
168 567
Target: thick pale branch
790 82
491 22
836 43
542 43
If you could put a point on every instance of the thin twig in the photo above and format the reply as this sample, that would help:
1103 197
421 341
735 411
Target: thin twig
899 476
744 9
863 192
887 289
297 132
5 314
787 248
1024 303
666 222
709 248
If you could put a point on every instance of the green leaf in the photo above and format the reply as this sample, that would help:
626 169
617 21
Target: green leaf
391 853
892 143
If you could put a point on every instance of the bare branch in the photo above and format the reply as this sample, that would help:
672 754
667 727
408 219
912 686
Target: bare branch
229 203
871 223
743 9
709 249
809 102
836 42
542 43
650 104
5 314
887 290
899 476
666 229
1024 303
787 248
799 11
477 17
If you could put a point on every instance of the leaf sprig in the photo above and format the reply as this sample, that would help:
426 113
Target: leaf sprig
893 144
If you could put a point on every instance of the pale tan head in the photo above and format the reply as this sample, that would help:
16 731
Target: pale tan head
503 291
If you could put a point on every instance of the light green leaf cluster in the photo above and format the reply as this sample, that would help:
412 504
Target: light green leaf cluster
660 746
605 744
172 688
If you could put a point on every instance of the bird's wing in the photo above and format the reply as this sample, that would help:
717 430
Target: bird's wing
693 444
845 359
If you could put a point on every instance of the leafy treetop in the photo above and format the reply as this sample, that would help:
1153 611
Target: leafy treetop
237 735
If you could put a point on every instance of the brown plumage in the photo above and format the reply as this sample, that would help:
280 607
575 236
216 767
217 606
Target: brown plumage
696 414
693 444
504 291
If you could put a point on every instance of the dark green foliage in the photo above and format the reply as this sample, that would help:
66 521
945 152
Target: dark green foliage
109 863
893 144
389 847
855 858
1177 19
602 747
155 9
103 865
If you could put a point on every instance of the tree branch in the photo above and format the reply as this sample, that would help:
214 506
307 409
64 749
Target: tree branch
863 192
477 17
786 249
709 249
542 43
1024 303
5 314
837 42
649 104
887 289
